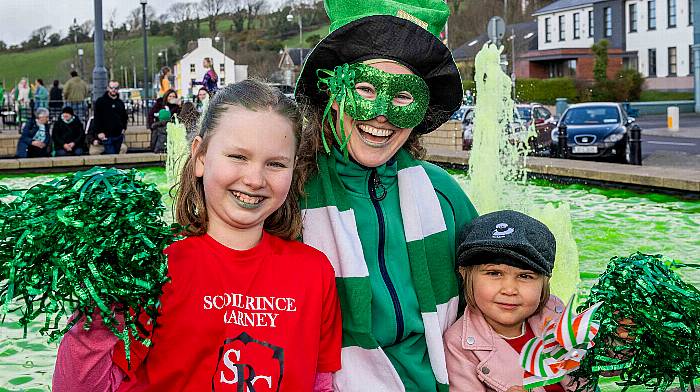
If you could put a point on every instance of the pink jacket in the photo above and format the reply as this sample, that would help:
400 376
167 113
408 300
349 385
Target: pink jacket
478 360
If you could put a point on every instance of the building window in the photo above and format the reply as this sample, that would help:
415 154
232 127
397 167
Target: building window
562 35
547 30
651 15
590 23
691 12
222 81
192 69
691 61
577 25
671 13
652 62
222 67
672 62
630 63
633 17
607 11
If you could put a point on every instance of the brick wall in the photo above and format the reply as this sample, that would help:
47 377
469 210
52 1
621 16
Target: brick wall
447 137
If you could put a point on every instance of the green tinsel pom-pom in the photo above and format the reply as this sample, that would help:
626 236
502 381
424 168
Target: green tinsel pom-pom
649 325
90 242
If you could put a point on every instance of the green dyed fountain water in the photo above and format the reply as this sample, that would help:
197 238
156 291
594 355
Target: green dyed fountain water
497 168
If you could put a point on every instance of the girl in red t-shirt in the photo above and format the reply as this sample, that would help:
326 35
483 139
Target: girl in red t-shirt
247 308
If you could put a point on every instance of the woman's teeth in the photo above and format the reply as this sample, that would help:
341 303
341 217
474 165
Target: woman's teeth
375 131
247 199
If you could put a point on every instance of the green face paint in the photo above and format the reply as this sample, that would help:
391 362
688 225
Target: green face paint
382 94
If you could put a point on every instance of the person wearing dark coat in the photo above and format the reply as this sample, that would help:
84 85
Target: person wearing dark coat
68 134
35 138
169 101
110 119
55 101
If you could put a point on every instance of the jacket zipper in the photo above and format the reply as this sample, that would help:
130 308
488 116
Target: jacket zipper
373 184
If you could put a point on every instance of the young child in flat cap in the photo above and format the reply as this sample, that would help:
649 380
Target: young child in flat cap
506 259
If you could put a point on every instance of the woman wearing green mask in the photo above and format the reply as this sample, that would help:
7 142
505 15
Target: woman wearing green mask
386 219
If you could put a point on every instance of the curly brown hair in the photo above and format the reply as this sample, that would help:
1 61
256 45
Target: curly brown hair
190 202
312 144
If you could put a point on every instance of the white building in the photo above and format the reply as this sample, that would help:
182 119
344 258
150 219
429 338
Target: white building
566 28
661 32
653 36
190 68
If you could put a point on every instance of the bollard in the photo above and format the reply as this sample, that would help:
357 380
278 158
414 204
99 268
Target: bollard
635 145
561 105
563 151
672 117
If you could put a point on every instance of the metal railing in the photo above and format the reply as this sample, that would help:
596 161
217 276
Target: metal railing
14 116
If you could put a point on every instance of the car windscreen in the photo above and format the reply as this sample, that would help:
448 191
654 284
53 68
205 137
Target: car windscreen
459 114
592 115
525 113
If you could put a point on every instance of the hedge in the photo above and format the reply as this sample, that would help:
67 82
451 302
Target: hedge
545 91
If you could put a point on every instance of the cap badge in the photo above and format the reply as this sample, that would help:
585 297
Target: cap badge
502 230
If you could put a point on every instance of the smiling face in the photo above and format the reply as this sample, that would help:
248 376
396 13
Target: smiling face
202 95
373 142
506 295
246 170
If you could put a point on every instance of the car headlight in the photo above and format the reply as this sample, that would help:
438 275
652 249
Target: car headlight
614 137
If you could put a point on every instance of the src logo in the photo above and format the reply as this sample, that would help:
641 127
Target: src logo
248 365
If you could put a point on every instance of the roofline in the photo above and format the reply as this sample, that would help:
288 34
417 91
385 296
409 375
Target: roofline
590 4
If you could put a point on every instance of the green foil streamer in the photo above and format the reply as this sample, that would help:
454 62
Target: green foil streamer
92 243
340 85
645 298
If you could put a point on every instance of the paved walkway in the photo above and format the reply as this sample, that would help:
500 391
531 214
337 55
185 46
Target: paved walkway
689 124
651 177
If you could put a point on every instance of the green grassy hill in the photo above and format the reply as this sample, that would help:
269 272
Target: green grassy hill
55 62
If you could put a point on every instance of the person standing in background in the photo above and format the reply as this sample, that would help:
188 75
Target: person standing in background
210 80
41 95
164 84
110 119
75 90
55 101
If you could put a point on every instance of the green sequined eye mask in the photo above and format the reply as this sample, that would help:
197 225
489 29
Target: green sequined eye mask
389 89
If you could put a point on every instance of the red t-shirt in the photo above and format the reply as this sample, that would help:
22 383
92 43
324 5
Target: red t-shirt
266 318
518 344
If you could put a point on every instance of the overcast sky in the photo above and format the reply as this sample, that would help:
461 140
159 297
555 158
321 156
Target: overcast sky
18 18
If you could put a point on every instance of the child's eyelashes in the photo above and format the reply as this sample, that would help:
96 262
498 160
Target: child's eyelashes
279 165
237 157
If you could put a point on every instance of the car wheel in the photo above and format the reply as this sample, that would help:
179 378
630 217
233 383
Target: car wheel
624 155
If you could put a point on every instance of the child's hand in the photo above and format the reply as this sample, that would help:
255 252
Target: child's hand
516 388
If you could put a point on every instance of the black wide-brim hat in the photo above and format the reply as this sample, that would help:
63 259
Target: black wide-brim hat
392 38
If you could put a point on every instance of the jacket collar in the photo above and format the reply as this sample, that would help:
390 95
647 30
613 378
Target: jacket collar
477 334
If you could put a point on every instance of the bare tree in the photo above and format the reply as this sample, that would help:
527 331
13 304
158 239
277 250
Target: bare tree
114 43
182 12
41 33
253 8
135 17
212 8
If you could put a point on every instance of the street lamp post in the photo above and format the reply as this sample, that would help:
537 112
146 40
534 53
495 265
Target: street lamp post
80 54
99 73
145 50
290 18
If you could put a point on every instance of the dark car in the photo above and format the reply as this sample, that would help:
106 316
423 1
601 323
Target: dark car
538 118
596 130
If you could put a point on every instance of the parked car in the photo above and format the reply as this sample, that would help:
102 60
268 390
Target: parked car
596 130
516 129
465 115
539 120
